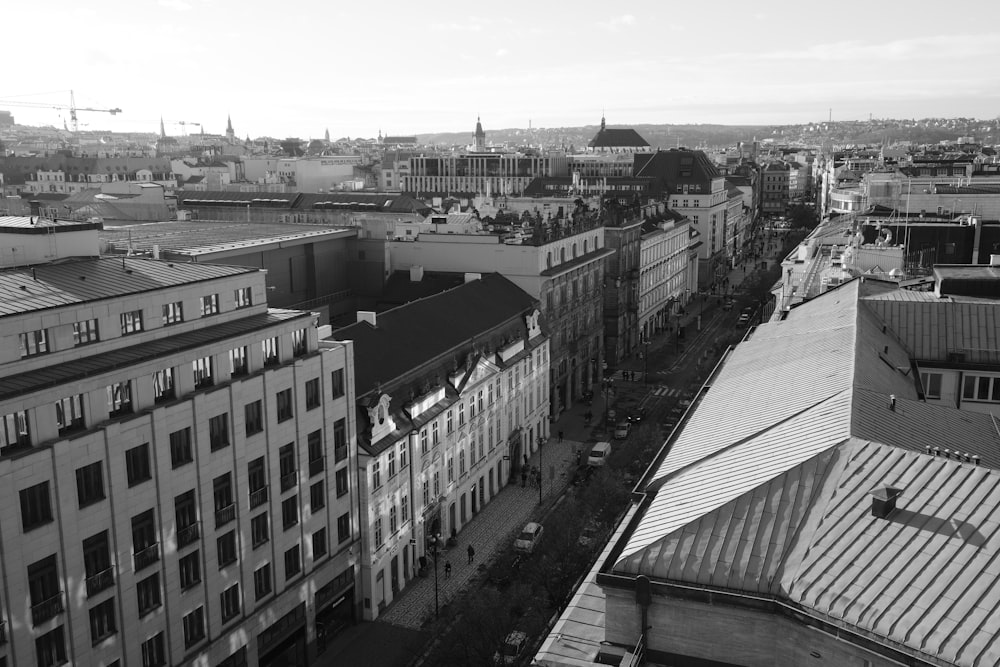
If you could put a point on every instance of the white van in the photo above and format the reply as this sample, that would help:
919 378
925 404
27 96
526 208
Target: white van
599 454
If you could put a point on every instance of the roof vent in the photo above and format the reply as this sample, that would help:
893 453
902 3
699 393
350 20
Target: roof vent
884 501
892 402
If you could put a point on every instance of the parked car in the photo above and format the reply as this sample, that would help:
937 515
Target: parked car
512 648
622 429
599 454
745 315
528 539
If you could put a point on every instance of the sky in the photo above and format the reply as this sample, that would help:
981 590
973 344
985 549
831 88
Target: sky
356 67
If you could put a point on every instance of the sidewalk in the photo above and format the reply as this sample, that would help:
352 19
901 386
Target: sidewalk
488 533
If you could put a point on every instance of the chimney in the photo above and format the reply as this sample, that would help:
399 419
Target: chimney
156 251
884 501
994 260
892 402
469 277
367 316
416 273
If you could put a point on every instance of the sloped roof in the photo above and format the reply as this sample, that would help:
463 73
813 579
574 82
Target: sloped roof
617 138
676 167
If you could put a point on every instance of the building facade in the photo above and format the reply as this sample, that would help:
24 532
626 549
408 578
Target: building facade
174 451
667 273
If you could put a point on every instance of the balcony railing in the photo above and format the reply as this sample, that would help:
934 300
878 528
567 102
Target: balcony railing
46 609
288 481
188 534
258 497
146 557
316 466
225 515
103 580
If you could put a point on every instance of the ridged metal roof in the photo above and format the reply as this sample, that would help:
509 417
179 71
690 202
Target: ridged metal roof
80 281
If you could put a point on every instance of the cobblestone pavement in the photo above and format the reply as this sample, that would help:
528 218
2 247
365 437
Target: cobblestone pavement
488 533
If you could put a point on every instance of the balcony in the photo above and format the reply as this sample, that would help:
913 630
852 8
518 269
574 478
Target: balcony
188 534
101 581
258 497
315 466
47 609
225 515
289 480
146 556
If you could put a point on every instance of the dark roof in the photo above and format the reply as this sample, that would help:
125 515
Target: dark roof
399 140
677 167
399 289
617 138
84 280
417 333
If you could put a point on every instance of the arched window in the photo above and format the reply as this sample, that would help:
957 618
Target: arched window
585 246
548 260
596 244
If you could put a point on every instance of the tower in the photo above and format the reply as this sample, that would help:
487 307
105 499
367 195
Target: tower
479 138
230 134
163 132
326 135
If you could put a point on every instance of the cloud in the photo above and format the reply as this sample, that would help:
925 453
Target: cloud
895 50
470 26
619 22
502 52
176 5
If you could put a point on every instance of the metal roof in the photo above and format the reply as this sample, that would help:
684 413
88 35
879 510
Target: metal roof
80 281
197 238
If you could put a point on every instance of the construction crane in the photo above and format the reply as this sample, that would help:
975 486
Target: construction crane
72 108
185 123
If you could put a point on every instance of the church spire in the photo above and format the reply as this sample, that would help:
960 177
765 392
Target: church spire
602 120
163 132
229 124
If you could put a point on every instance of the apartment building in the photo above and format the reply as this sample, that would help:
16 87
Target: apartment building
176 456
496 173
668 271
451 398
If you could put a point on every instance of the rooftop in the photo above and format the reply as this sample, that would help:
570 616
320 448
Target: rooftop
190 239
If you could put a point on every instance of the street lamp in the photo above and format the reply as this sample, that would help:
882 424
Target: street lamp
645 360
434 542
541 440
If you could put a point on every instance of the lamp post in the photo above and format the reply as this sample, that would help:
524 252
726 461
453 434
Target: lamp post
645 359
540 468
607 383
434 542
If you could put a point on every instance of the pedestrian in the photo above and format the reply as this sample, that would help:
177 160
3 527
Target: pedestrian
447 569
578 457
560 436
472 553
524 476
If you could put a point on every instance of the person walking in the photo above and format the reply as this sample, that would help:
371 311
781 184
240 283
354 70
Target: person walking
560 436
447 569
524 476
472 553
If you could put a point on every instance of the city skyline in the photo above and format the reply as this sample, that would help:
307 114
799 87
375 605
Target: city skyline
359 70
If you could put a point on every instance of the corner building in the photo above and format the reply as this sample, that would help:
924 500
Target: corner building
175 459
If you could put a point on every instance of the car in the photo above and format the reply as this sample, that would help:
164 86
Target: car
727 304
599 454
513 647
745 315
622 429
528 539
636 415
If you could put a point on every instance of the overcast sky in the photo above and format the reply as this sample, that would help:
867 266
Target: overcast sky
298 67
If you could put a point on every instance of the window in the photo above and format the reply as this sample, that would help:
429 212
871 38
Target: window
376 474
299 342
131 322
315 451
319 544
392 520
290 512
241 297
194 627
270 349
339 440
85 332
51 648
257 481
229 601
202 369
253 418
137 464
222 493
119 398
981 388
284 403
449 422
286 466
97 563
435 435
343 528
427 492
293 562
259 530
342 485
423 440
90 484
173 313
209 305
337 380
190 570
451 468
186 518
461 414
33 343
932 384
377 532
180 448
14 433
262 581
69 414
238 361
153 653
317 496
102 621
392 463
404 509
312 394
461 461
44 591
163 385
218 431
36 506
437 482
147 594
145 550
226 546
403 460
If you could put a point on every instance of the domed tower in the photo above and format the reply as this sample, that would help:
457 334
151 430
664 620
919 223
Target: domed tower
479 138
